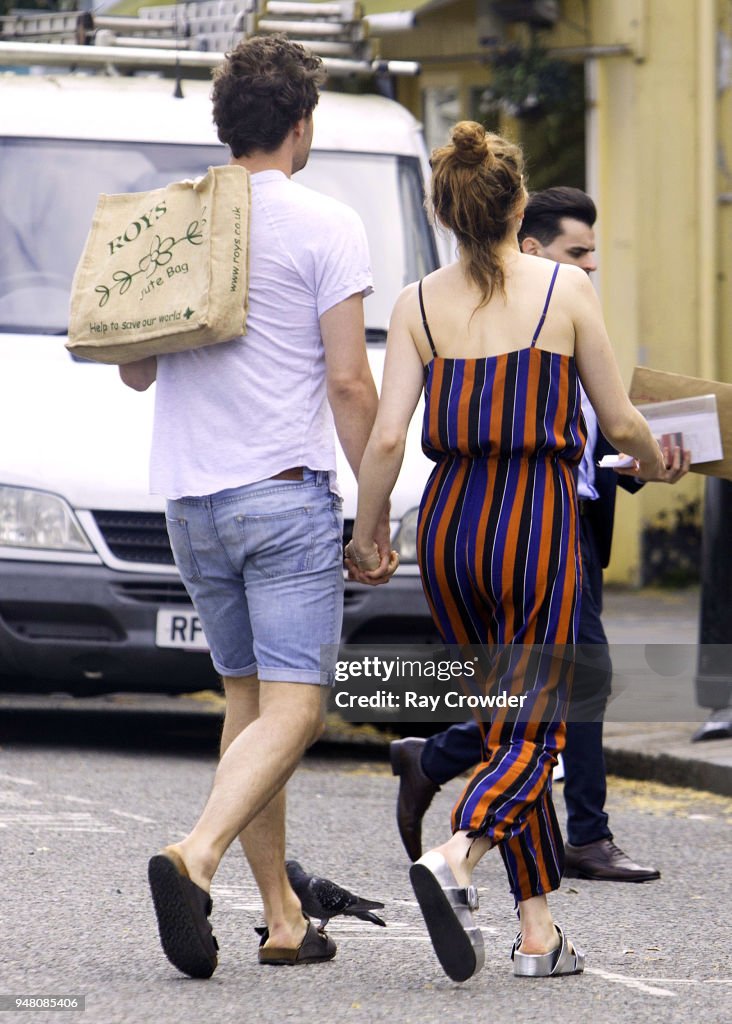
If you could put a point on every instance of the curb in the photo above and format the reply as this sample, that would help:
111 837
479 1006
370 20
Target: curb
711 776
672 771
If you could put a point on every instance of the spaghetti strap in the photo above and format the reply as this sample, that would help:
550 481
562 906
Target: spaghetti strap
539 326
424 321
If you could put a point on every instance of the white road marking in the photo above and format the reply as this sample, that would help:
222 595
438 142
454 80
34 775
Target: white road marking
60 827
635 983
61 821
691 981
339 933
78 800
15 778
394 931
238 897
10 799
133 817
245 897
36 817
96 829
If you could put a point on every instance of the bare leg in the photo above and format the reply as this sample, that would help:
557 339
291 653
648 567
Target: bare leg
254 768
538 934
263 840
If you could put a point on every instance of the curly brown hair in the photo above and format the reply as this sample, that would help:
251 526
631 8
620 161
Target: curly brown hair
477 190
264 87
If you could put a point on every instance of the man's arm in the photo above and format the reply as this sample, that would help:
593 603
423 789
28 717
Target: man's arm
351 389
140 374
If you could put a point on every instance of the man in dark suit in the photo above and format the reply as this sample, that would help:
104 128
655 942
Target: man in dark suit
558 225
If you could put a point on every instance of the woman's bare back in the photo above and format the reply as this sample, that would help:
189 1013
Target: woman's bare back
507 322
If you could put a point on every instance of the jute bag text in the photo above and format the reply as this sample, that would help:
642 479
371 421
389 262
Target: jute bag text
164 271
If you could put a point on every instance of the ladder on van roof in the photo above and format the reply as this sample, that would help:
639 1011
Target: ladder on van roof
193 35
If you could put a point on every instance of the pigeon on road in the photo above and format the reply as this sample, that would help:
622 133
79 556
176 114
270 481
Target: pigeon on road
324 899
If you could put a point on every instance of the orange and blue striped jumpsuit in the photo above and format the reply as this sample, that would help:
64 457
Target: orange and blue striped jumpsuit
498 548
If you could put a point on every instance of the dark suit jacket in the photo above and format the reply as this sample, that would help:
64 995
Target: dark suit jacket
602 511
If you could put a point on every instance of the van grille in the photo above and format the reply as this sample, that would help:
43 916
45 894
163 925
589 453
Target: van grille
153 593
143 537
136 536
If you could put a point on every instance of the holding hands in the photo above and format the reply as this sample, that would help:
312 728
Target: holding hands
375 562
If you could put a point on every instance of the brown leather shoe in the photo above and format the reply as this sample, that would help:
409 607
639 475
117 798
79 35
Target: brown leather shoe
415 791
603 861
315 948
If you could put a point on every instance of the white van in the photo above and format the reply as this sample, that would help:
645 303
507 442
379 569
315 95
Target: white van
90 600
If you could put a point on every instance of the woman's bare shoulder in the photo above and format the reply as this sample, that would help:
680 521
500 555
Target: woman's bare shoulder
435 284
406 308
574 279
572 286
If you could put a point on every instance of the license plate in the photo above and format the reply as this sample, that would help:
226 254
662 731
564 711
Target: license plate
180 628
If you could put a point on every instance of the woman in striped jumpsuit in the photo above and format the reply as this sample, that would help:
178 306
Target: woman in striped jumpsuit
498 341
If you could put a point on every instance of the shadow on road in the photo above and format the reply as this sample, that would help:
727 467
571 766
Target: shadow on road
153 724
111 729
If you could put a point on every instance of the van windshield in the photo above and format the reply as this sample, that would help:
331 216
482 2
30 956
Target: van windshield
50 188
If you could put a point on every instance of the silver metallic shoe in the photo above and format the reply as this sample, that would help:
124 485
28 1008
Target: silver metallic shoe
447 909
561 960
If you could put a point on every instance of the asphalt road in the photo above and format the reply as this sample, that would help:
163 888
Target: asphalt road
83 804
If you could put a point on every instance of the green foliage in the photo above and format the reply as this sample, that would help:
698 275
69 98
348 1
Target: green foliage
526 82
671 546
554 145
547 99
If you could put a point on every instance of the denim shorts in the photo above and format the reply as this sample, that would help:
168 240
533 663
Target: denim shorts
263 565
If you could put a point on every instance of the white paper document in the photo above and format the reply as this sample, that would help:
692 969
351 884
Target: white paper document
616 461
695 419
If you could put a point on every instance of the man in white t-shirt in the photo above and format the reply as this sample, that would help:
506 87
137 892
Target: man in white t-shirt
244 451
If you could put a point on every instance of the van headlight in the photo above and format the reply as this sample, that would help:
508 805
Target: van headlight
36 519
405 539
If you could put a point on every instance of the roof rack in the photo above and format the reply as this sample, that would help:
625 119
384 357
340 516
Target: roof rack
193 35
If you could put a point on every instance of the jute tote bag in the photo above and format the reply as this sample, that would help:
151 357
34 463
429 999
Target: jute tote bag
164 271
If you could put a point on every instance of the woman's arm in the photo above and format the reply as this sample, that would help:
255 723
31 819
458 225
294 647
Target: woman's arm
619 420
400 390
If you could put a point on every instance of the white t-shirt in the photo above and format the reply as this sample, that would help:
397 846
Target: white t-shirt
586 479
243 410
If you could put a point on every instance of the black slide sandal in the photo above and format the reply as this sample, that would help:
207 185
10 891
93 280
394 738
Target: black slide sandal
182 909
447 910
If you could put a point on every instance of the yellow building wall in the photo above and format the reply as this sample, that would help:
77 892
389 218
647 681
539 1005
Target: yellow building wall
723 181
659 164
450 31
446 44
662 246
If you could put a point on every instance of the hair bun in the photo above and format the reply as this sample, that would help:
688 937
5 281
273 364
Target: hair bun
469 140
